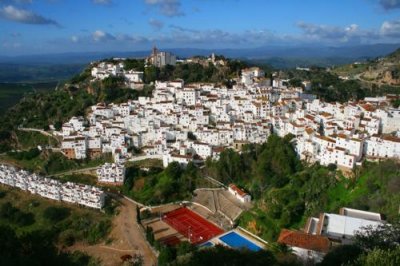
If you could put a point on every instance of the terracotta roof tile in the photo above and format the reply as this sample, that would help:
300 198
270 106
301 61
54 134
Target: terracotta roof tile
305 241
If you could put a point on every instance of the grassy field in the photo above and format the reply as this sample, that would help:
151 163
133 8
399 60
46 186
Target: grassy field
78 178
147 163
11 93
27 140
350 69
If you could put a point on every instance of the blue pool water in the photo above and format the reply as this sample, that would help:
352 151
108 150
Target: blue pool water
235 240
207 244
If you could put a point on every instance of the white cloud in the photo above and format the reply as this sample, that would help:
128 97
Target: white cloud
156 24
390 4
102 2
100 35
351 33
23 1
75 39
24 16
169 8
390 28
13 45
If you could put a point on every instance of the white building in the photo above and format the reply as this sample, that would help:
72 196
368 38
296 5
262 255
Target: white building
74 147
111 173
385 147
52 189
239 194
160 59
343 227
134 76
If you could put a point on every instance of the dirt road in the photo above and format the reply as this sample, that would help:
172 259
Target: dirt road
126 239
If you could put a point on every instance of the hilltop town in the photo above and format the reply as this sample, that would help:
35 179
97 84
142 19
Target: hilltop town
185 123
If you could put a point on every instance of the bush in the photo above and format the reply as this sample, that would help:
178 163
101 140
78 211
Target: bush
25 155
110 206
341 255
67 238
56 214
16 216
150 235
98 231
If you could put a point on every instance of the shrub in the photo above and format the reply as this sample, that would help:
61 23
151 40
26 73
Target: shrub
16 216
56 214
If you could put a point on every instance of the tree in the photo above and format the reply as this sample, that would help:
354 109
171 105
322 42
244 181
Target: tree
184 248
220 255
342 255
150 235
396 103
173 170
15 215
379 257
56 214
138 218
166 256
384 236
137 260
151 74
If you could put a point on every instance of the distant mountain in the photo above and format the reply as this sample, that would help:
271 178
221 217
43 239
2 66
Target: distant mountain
310 53
354 52
63 66
68 58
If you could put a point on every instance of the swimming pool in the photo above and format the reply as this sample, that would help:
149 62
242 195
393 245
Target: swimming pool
235 240
207 244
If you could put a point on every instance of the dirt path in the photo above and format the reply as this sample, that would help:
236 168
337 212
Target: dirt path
127 239
77 171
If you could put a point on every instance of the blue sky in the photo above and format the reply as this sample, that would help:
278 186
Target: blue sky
54 26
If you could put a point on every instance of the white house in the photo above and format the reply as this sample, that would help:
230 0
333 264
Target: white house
385 147
53 189
111 173
239 194
134 76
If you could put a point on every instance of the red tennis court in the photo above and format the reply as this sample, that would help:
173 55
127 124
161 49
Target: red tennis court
191 225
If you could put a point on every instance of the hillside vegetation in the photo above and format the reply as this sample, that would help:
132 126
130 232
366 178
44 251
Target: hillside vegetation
328 86
11 93
41 109
159 186
381 71
33 230
36 72
286 191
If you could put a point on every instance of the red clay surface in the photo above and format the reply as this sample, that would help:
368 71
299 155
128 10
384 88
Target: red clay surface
191 225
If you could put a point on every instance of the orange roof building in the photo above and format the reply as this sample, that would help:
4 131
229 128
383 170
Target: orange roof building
239 194
307 247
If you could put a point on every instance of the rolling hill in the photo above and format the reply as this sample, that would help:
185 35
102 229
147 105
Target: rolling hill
381 71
